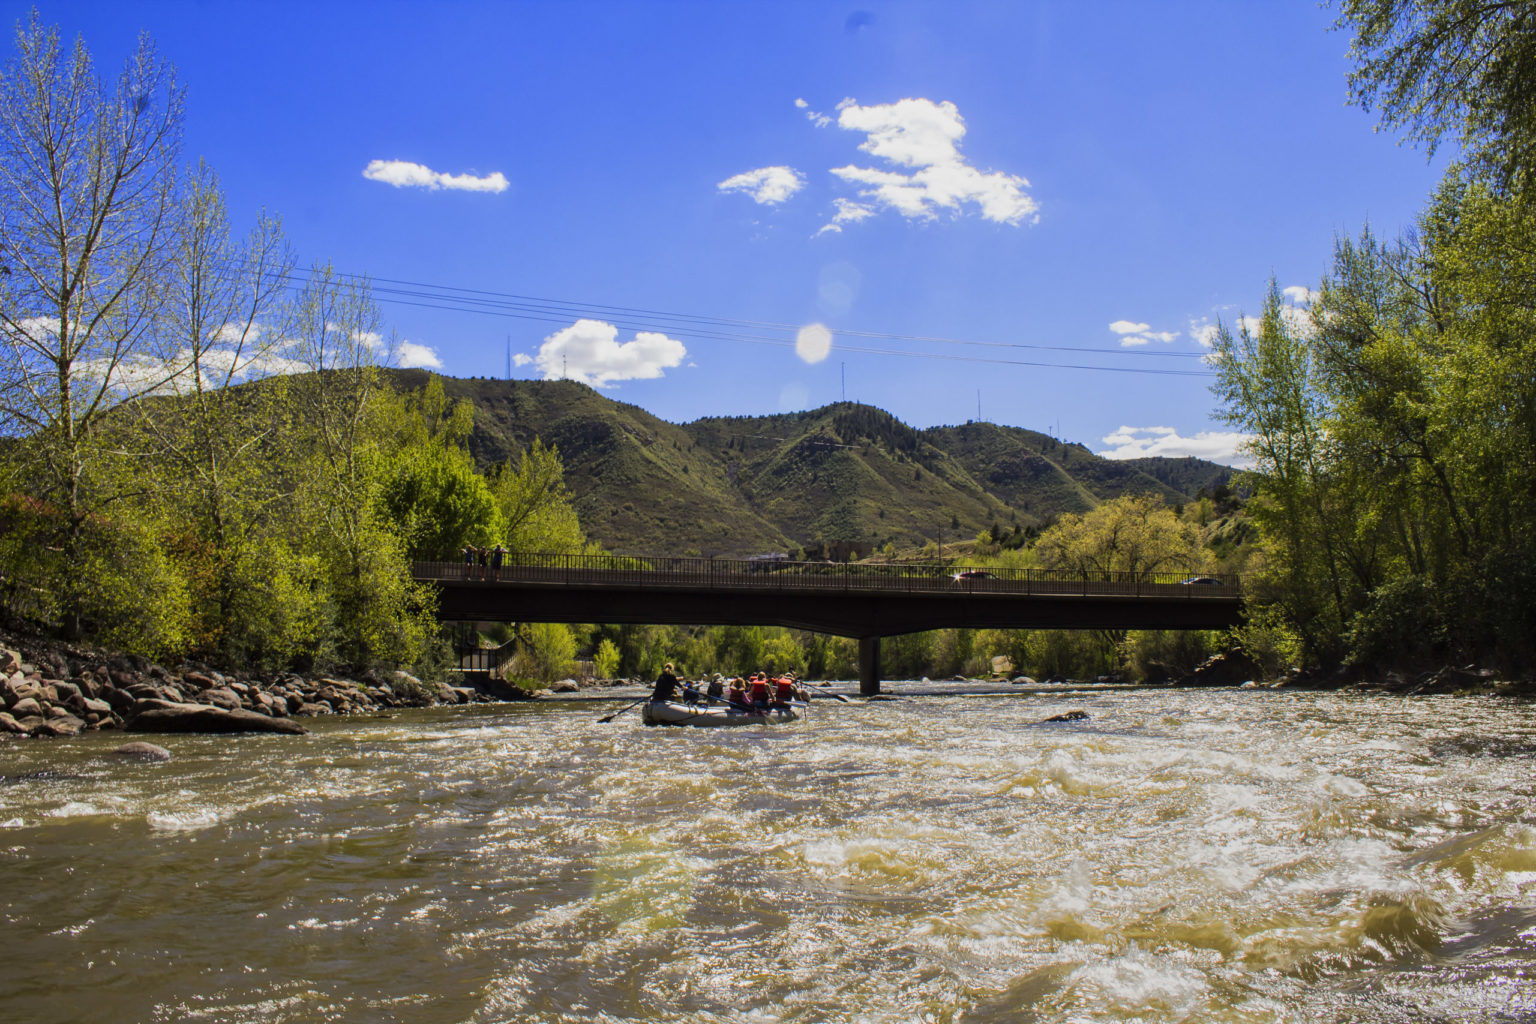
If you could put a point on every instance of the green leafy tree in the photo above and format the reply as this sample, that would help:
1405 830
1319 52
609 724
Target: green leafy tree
1465 67
605 660
87 224
536 508
433 498
1135 535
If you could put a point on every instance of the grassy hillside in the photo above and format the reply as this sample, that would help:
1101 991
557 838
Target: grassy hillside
738 486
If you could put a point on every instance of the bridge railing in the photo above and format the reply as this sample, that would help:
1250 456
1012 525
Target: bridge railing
782 574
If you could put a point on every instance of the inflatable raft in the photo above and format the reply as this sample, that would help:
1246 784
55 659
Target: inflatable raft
657 712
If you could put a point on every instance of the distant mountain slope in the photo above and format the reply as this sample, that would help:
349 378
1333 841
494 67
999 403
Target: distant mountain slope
740 486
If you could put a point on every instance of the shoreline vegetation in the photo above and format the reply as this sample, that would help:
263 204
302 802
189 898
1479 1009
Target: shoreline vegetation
54 689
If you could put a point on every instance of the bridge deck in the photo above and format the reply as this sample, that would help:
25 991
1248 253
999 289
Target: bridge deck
732 575
864 601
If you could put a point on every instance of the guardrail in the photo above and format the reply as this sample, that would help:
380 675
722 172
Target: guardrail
762 574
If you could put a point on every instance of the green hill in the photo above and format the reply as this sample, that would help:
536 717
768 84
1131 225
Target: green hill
845 474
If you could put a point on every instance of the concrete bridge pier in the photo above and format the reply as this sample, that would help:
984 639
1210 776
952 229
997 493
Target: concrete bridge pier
869 666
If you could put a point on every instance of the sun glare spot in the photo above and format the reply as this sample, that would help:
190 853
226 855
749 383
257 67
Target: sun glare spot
813 343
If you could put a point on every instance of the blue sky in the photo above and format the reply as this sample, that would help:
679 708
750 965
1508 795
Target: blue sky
665 193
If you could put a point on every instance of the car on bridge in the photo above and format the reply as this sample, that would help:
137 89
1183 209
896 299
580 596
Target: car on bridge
1200 581
970 575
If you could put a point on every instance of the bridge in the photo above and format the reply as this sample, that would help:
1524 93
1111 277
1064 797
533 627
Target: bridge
853 600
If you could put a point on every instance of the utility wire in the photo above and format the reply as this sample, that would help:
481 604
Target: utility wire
451 298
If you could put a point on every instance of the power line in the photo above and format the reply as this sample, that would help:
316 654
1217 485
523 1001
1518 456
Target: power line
451 298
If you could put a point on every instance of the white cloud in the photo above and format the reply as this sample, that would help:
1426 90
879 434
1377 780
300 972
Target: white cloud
818 119
414 356
1299 295
813 343
1223 446
403 174
766 185
1133 334
924 135
589 351
847 212
1203 331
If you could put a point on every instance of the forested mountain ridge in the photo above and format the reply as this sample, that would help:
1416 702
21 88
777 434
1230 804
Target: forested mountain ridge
842 474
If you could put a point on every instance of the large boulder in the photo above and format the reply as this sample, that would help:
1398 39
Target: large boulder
203 718
138 750
220 697
60 725
26 707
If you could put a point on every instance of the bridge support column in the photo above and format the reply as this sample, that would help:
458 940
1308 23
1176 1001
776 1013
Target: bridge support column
869 666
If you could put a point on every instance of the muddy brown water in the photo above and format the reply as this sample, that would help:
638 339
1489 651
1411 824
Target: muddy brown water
1179 856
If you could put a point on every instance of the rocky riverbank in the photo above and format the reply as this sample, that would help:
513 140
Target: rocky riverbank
53 690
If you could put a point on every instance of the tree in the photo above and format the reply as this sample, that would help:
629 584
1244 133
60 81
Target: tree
220 323
1464 66
536 508
1268 386
1135 534
87 225
432 496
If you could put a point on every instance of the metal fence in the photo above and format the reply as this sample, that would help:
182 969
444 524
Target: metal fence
784 575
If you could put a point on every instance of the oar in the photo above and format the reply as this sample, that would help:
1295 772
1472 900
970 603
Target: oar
625 708
822 687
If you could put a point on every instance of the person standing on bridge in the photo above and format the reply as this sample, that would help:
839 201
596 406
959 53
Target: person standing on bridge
498 555
469 561
666 684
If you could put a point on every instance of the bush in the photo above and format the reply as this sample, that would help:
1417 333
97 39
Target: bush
1402 624
1159 655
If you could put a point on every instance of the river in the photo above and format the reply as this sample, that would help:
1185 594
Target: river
1178 856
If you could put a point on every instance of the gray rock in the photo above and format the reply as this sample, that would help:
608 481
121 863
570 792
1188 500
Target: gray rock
220 697
25 689
1023 681
65 690
198 681
62 725
27 706
203 718
10 725
158 704
138 750
10 662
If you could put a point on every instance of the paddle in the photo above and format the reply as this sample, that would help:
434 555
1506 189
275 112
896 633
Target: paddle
625 708
822 687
